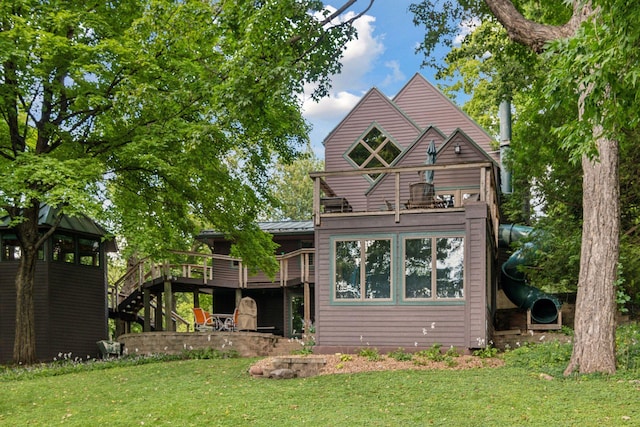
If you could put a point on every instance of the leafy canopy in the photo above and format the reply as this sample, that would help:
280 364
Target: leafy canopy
156 116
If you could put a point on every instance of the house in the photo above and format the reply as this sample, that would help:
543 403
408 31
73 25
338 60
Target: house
402 249
406 245
69 292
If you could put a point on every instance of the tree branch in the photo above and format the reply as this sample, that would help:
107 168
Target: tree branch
534 34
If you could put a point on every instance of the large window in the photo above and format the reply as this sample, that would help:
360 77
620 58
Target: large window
374 150
433 268
363 269
11 248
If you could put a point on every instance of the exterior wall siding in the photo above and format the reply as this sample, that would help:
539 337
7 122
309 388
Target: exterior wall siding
426 105
71 309
401 324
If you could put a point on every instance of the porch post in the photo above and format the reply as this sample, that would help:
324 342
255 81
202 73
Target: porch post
158 312
168 305
306 295
307 308
146 301
196 298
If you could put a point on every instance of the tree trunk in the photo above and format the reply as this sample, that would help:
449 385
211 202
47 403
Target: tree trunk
594 324
24 345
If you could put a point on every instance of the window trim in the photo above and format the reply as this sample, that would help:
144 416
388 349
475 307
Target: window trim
433 300
391 140
392 238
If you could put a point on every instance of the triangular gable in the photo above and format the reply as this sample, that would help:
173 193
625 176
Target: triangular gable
367 98
469 150
427 105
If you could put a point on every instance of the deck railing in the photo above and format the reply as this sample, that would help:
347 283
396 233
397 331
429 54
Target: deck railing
329 202
293 265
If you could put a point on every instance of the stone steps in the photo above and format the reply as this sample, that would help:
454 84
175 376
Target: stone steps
285 347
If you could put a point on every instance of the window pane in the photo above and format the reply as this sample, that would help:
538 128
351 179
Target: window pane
417 268
359 154
449 265
10 247
63 248
378 269
89 250
374 138
389 152
347 262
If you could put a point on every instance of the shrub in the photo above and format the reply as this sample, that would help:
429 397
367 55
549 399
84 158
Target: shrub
400 355
433 353
628 346
370 353
486 353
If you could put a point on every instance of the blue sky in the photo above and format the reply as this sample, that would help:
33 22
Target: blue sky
384 56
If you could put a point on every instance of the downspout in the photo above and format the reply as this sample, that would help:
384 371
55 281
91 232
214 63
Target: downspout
505 141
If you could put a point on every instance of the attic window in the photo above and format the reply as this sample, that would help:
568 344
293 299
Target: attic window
374 150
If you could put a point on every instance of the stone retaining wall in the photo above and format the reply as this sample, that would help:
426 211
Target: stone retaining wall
247 344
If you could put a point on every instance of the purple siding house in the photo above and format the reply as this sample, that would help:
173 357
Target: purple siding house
402 249
406 237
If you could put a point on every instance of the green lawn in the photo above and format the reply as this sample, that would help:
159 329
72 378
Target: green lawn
219 392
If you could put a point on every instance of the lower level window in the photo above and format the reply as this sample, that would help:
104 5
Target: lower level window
434 268
362 269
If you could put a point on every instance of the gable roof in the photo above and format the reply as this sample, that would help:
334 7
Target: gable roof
423 102
460 132
373 92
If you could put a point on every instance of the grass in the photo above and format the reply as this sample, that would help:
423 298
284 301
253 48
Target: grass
219 392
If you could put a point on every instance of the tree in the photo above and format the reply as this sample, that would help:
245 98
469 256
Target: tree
588 54
292 189
152 116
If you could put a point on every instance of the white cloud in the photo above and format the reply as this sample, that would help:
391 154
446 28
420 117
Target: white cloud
396 75
466 28
348 86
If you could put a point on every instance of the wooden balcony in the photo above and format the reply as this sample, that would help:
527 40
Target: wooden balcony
402 191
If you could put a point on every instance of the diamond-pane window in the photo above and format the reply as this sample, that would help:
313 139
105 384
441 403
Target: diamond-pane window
374 150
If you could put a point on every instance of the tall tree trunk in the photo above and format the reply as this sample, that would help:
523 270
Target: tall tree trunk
594 324
24 346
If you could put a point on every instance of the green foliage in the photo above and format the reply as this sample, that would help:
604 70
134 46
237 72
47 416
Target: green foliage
158 117
434 353
486 353
370 353
292 189
346 358
549 357
628 347
400 355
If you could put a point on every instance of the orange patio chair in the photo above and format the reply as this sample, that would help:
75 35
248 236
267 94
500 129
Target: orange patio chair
204 321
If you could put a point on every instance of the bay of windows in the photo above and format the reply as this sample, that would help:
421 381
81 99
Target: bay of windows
429 268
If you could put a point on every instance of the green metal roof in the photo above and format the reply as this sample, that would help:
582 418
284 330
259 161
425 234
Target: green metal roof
78 224
277 228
